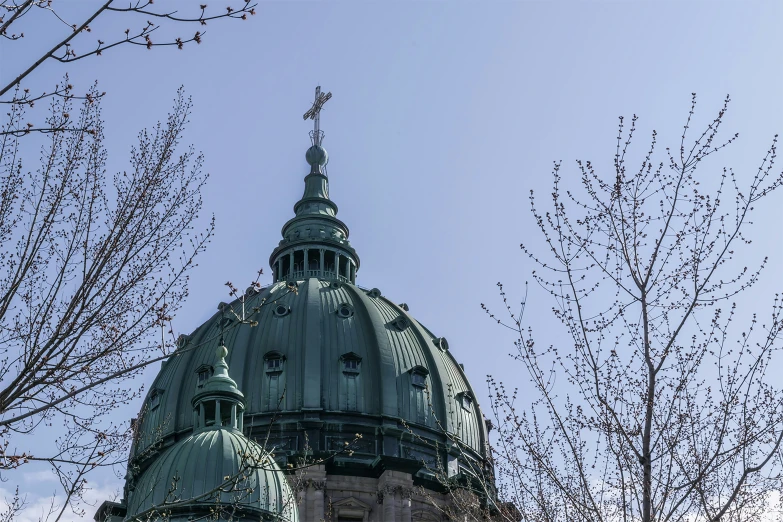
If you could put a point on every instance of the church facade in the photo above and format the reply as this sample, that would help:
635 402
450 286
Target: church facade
311 398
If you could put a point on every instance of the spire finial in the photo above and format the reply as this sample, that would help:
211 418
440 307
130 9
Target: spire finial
221 368
316 213
314 113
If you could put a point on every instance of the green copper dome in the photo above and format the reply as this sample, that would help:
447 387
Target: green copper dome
209 469
318 355
321 363
328 360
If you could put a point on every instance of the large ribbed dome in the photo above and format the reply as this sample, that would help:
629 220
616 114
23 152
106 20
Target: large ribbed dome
331 352
208 469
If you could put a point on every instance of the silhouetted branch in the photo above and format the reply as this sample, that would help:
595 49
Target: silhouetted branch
63 51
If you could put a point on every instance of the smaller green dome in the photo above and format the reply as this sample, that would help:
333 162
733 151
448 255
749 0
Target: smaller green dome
213 467
317 155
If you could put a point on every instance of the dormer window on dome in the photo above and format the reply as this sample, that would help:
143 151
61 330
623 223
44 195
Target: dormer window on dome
351 362
273 362
348 388
466 400
154 399
419 376
204 372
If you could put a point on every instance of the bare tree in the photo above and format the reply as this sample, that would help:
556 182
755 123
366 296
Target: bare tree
660 408
471 495
93 267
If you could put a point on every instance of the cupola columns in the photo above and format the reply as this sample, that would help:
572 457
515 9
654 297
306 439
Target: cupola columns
219 403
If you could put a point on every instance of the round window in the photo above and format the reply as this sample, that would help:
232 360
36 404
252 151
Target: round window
400 323
281 310
345 310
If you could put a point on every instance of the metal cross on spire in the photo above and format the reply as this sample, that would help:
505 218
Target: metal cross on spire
315 114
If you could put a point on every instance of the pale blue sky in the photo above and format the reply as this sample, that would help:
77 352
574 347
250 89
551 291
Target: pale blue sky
444 116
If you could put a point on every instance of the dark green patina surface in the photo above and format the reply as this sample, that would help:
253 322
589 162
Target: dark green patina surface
200 463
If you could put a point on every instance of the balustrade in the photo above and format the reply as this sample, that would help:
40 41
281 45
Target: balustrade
304 274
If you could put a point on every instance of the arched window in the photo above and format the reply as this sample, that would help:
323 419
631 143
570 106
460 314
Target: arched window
351 368
466 400
203 373
420 405
274 363
154 399
350 362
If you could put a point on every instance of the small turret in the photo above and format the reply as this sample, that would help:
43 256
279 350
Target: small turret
219 403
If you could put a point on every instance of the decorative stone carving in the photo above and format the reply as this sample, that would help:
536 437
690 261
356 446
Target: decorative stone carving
392 490
351 507
317 485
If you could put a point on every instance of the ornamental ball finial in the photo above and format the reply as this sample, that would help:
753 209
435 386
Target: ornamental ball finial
317 155
221 352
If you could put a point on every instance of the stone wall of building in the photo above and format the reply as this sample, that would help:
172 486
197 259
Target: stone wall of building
344 498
